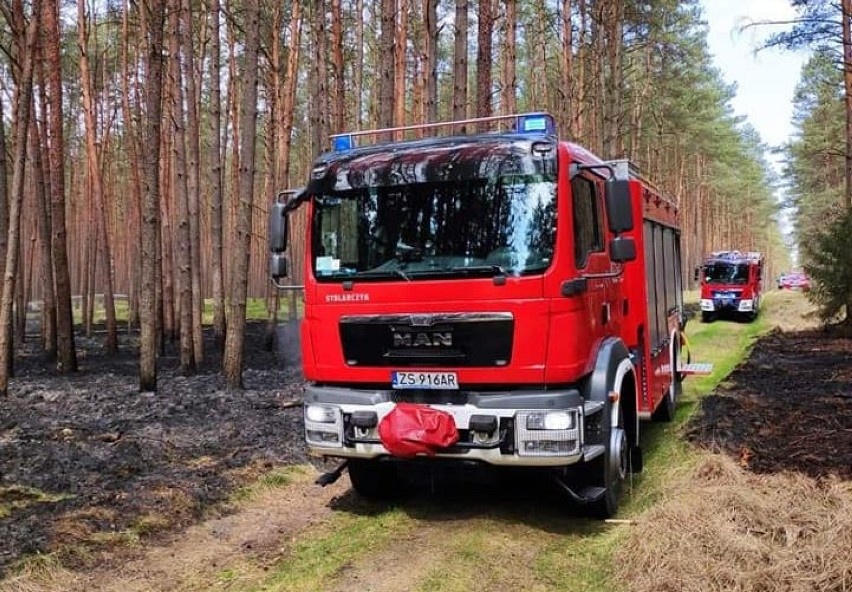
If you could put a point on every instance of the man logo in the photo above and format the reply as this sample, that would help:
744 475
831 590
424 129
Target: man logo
423 339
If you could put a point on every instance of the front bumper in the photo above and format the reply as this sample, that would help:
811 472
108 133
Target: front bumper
341 431
720 304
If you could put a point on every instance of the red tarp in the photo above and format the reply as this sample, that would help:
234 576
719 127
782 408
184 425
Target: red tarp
411 429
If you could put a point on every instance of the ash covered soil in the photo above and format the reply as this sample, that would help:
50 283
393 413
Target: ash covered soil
88 461
788 407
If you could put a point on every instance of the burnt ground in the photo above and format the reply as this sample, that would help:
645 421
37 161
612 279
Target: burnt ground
788 407
87 462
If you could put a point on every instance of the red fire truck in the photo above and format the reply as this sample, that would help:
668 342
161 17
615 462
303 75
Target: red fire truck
731 284
500 299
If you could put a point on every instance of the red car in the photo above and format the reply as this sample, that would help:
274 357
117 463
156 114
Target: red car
795 281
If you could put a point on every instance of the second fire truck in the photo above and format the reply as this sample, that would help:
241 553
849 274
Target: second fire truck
731 285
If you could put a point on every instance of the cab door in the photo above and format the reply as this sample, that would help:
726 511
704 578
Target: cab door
591 261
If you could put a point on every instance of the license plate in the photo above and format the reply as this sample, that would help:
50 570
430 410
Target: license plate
425 380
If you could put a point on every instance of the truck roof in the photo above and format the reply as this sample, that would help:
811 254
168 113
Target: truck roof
407 159
734 257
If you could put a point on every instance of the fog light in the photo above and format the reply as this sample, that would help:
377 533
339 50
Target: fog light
322 437
548 447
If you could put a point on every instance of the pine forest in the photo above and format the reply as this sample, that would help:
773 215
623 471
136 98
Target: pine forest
142 142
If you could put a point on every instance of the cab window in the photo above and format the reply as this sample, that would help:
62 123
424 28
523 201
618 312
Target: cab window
588 229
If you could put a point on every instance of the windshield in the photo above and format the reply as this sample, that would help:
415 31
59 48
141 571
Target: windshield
500 225
726 273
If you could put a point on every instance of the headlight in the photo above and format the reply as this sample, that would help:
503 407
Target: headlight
547 433
321 414
324 426
550 420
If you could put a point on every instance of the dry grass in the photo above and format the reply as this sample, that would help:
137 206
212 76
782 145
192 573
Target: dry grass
727 529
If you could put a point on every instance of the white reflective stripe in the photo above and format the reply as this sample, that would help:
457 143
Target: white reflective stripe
623 368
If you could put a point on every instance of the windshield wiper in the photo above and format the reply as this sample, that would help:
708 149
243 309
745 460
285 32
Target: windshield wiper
382 272
493 268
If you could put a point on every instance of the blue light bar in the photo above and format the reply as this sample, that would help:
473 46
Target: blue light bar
536 122
343 143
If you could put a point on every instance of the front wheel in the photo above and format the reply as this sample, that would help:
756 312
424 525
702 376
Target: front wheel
610 472
706 317
373 479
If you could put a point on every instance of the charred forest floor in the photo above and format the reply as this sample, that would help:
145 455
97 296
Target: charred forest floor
787 407
128 492
88 463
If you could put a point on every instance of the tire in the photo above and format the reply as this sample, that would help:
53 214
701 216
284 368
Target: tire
375 480
610 472
666 411
706 317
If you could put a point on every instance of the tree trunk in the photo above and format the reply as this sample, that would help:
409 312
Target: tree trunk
460 64
94 168
66 351
273 139
611 24
48 298
430 60
288 100
359 61
319 98
151 222
4 217
484 61
215 171
180 193
233 358
399 63
338 114
167 261
568 107
22 120
132 143
386 64
509 81
193 181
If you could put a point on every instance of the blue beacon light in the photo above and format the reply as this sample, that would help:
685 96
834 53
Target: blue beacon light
539 122
343 143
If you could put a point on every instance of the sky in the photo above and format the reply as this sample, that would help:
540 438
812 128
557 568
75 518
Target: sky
766 79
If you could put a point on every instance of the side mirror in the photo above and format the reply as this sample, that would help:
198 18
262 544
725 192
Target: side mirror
618 207
278 266
278 227
697 273
622 249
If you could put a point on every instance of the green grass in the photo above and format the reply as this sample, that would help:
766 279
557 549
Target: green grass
333 546
462 573
19 497
272 480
